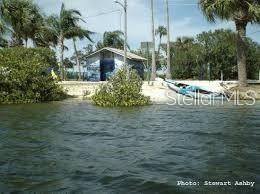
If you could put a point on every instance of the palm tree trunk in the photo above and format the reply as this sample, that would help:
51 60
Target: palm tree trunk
62 72
26 43
77 58
159 48
241 53
153 76
168 71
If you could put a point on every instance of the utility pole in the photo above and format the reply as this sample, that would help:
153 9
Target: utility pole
153 76
125 43
168 71
124 5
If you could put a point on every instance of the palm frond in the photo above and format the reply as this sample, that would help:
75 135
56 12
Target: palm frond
254 11
78 32
222 9
161 31
238 10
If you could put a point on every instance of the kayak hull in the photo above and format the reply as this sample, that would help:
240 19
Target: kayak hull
194 91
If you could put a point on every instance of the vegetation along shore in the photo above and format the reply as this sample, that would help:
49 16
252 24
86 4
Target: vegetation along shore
33 62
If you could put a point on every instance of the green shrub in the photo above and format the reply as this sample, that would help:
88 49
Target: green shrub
25 76
121 90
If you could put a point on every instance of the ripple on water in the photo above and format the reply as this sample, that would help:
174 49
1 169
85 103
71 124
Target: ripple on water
72 146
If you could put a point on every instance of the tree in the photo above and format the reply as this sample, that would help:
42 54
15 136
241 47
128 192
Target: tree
68 63
78 32
3 42
1 27
168 71
83 54
61 27
114 39
187 55
160 31
122 90
23 19
216 49
89 49
25 76
99 45
241 12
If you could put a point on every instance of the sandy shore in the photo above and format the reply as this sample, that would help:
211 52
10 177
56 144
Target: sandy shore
157 90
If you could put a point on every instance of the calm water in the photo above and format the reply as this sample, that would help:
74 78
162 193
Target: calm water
72 146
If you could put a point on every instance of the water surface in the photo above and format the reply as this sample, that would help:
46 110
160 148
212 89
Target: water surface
72 146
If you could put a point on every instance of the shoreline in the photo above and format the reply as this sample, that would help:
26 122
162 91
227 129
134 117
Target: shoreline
158 91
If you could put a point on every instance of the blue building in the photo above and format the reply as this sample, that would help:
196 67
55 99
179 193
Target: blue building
100 65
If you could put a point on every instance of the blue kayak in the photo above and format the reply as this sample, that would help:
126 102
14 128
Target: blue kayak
194 91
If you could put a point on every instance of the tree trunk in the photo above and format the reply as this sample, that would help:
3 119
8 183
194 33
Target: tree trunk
77 58
159 47
159 50
26 43
62 72
241 53
153 76
168 70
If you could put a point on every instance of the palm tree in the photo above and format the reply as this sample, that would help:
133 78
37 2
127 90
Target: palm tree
3 42
168 71
78 32
60 27
22 18
2 28
160 31
114 39
184 42
241 12
34 24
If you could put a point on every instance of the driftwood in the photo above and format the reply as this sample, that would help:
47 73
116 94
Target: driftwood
235 92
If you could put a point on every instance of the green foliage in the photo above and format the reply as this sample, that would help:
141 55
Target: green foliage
186 56
65 26
239 11
24 19
161 31
82 54
219 51
121 90
191 56
3 42
25 76
113 39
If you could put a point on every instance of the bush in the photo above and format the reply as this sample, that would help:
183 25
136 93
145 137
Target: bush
25 76
121 90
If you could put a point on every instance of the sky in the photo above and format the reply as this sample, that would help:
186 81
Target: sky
186 19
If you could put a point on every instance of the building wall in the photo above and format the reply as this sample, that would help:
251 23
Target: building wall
92 67
119 61
138 65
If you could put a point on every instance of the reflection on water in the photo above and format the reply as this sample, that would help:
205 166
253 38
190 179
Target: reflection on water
72 146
